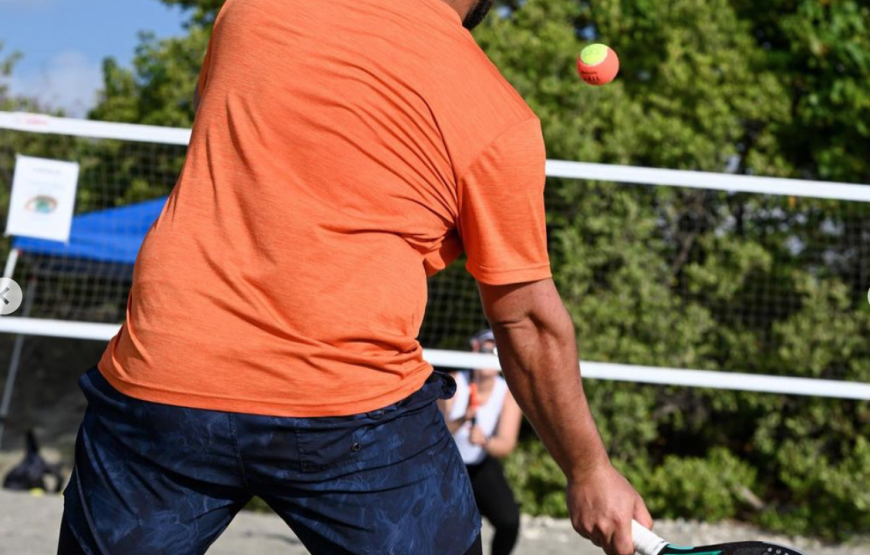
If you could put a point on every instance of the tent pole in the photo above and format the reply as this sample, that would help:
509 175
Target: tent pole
14 363
11 262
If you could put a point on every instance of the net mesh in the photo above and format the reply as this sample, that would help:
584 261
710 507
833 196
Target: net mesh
691 278
112 174
654 275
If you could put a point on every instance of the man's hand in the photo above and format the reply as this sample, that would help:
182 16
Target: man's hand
602 504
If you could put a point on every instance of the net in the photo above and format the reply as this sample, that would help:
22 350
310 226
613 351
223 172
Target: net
686 277
658 268
117 180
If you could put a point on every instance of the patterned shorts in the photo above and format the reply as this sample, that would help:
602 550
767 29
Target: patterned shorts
157 479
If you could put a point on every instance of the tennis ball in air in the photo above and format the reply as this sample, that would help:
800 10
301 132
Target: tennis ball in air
598 64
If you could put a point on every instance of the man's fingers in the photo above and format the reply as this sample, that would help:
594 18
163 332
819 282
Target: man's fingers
641 514
623 544
603 538
598 540
614 537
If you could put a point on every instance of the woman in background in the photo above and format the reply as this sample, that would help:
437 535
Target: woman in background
486 426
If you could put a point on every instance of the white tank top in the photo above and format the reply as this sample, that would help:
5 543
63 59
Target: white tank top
487 416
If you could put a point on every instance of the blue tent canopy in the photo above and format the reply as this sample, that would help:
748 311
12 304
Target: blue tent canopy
113 235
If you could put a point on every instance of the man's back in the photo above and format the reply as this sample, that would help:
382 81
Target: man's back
342 151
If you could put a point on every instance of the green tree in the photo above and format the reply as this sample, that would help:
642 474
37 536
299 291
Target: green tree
11 142
159 89
203 12
821 50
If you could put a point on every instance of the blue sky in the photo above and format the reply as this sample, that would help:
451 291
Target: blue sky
65 41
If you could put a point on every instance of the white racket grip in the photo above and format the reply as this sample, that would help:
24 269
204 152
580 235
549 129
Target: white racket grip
645 542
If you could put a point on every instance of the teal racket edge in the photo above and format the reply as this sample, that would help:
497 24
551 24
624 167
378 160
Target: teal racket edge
648 543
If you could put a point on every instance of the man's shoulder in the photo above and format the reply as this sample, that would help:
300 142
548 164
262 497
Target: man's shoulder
477 81
473 103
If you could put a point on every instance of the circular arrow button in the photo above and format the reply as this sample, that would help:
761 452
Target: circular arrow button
10 296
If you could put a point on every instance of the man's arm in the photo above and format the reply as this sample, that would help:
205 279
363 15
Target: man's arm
538 354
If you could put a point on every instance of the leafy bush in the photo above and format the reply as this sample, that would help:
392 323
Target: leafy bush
536 479
716 486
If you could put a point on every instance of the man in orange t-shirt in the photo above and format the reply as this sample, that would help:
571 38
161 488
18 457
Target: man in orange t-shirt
342 152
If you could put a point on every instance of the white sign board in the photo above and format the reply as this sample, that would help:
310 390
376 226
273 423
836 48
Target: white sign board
43 198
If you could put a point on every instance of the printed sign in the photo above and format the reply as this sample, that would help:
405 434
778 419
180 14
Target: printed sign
43 198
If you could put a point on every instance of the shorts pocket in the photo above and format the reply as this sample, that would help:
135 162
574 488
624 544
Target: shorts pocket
364 440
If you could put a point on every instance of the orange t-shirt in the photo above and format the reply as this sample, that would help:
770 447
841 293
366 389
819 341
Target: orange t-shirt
342 152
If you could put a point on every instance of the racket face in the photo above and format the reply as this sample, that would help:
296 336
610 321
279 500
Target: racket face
735 548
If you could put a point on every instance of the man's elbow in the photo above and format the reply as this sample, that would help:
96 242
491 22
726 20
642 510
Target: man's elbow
508 306
525 307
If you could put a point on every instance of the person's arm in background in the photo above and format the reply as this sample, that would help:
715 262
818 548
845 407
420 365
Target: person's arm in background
446 406
506 435
538 355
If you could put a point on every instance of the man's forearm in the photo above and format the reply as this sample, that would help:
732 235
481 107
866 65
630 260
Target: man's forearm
538 355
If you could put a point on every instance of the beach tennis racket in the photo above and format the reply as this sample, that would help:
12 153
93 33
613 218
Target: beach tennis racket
647 543
473 401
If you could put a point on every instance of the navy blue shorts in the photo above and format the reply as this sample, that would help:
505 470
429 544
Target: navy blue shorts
159 479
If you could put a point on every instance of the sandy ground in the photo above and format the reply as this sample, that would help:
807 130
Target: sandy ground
28 526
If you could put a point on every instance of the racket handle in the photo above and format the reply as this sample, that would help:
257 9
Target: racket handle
473 401
645 542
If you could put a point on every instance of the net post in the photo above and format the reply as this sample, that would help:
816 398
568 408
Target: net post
11 262
15 363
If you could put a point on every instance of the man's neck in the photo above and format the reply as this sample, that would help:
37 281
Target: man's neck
462 7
